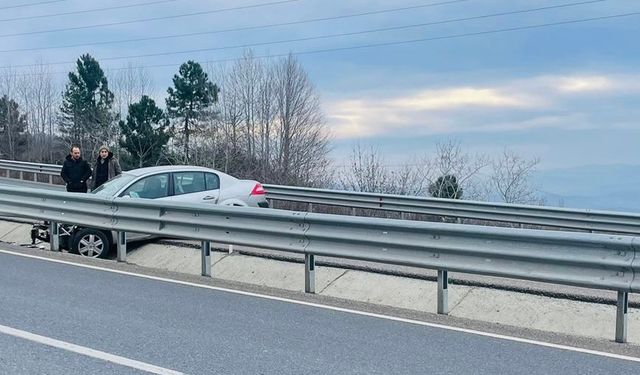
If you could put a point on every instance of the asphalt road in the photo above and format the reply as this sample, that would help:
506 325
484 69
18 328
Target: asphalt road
19 356
204 331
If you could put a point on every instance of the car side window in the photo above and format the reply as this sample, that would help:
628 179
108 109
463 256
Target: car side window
188 182
152 187
213 181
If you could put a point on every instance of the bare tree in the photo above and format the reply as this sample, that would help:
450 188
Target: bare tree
245 116
239 124
129 84
13 121
9 82
367 172
268 123
224 123
249 74
40 96
267 113
302 139
511 178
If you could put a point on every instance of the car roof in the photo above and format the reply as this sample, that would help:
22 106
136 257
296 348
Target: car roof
169 168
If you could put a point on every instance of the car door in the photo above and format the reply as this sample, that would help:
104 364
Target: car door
212 184
195 187
150 187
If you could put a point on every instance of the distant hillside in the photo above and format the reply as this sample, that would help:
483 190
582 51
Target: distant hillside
601 187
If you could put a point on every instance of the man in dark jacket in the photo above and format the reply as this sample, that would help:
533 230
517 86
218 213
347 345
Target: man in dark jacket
75 171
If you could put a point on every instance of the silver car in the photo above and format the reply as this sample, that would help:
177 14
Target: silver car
172 183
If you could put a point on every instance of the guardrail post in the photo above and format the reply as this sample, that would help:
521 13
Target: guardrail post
54 236
621 317
353 211
8 173
309 273
35 176
122 246
403 216
206 258
310 207
443 292
50 179
21 175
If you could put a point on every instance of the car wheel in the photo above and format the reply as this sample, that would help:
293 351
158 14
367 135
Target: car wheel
91 243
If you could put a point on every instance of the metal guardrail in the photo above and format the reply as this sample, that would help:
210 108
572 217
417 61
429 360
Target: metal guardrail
49 170
577 219
580 259
615 222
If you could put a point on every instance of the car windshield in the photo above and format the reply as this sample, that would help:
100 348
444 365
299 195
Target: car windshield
111 187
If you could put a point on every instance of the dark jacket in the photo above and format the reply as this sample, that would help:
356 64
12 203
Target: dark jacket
113 169
75 174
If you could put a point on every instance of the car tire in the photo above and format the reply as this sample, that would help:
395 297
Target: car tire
92 243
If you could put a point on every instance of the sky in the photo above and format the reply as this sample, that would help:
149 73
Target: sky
542 78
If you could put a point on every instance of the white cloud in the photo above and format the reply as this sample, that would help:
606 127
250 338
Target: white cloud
579 84
548 101
585 84
459 98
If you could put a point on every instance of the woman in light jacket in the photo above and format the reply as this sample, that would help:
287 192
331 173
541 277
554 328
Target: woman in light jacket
106 167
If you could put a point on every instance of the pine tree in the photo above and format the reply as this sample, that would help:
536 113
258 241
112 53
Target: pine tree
446 187
145 133
190 98
87 117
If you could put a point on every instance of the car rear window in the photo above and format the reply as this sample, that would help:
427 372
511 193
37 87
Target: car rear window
212 181
188 182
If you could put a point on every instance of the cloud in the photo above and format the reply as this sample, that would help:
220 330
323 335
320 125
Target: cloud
458 98
547 101
585 84
579 84
356 118
425 111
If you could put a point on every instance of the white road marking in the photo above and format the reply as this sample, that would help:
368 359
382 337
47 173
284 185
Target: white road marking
340 309
87 351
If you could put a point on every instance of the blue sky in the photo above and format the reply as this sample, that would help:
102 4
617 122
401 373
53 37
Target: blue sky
568 94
